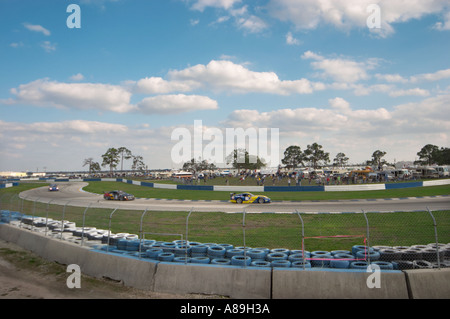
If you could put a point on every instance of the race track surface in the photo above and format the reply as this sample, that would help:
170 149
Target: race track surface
71 193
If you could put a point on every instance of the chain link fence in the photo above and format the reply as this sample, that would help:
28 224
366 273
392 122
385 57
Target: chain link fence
404 240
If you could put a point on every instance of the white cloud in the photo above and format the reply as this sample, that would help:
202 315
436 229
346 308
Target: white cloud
16 44
443 26
348 14
86 96
179 103
77 77
37 28
226 75
425 77
409 92
48 46
340 69
157 85
436 76
252 24
291 40
222 4
402 131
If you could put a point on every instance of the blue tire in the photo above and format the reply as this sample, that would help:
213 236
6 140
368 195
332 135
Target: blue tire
256 254
301 264
295 257
234 252
260 263
340 264
181 250
357 248
335 252
384 265
320 253
280 250
280 263
241 260
321 261
182 260
226 246
199 249
373 256
221 261
276 256
168 247
200 260
216 251
166 257
359 265
122 244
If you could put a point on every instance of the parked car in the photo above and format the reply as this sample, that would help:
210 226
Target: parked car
118 195
248 198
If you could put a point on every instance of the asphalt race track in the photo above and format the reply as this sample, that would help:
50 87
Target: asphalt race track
71 194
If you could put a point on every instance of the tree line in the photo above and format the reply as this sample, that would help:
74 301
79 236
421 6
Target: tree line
315 156
112 158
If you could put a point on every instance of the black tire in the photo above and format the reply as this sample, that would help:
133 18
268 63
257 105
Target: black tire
239 200
261 200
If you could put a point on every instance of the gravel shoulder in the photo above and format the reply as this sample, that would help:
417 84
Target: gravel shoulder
24 275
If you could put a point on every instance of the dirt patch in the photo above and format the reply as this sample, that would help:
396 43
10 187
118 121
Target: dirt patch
24 275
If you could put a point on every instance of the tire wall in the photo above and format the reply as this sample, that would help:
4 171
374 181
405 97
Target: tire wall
235 282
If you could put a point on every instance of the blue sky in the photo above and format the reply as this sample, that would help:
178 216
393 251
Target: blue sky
137 70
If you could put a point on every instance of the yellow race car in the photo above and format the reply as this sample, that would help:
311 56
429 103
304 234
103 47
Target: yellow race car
248 198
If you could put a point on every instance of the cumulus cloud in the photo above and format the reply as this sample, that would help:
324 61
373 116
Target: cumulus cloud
64 145
86 96
157 85
226 75
349 14
339 127
179 103
340 69
425 77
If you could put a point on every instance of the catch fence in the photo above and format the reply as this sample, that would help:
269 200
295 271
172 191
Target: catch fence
418 239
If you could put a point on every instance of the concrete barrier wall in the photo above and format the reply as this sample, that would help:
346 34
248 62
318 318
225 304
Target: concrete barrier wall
234 282
339 284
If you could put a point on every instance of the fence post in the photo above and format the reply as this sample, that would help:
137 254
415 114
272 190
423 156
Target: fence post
140 232
368 236
46 216
62 220
109 229
82 230
243 231
436 238
303 239
187 228
33 213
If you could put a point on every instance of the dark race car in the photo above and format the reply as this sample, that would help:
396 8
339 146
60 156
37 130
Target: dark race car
118 195
248 198
53 188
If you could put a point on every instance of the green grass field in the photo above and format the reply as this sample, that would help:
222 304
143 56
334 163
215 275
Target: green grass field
149 192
